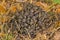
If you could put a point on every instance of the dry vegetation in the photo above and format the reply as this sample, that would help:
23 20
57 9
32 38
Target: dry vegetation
13 16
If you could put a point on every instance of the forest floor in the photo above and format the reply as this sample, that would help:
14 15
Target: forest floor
29 20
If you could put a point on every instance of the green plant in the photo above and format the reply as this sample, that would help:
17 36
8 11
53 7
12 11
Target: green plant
8 37
56 1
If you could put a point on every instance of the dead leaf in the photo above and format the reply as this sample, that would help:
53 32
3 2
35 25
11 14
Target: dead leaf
2 10
13 8
2 34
